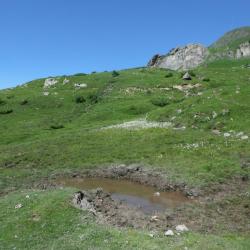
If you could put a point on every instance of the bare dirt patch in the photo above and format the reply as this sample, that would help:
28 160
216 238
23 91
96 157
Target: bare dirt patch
219 208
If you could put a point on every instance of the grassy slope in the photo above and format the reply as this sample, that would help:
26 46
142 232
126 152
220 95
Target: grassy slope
30 149
47 221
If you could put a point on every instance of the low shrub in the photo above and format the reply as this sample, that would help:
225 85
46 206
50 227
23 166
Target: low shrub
56 126
80 99
6 111
93 98
2 102
24 102
169 74
191 73
160 101
115 73
205 79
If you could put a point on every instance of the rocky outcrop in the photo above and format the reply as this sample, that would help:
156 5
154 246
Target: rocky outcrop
243 50
181 58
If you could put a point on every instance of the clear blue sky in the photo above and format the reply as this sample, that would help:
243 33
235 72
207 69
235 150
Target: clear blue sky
39 38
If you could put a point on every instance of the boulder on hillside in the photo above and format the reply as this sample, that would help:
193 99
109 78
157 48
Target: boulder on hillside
187 76
181 58
243 50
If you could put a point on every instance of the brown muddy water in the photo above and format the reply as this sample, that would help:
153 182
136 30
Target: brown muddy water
133 194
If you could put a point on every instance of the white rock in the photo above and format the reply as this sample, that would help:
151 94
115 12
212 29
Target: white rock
19 205
169 233
151 235
27 196
226 134
65 81
214 114
80 85
181 228
45 93
154 218
244 137
49 82
157 194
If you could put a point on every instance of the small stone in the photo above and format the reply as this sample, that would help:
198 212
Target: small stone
27 196
181 228
157 194
169 233
226 134
244 137
19 205
151 235
154 218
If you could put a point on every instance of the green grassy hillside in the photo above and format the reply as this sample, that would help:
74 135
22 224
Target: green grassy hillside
60 130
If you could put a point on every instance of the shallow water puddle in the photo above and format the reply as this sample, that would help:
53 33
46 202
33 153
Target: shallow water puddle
133 194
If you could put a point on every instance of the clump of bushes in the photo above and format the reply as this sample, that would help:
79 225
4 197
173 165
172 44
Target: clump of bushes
93 98
115 73
2 102
169 74
56 126
80 99
6 111
24 102
205 79
160 101
191 73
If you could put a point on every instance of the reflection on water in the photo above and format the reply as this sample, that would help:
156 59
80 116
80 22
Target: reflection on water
131 193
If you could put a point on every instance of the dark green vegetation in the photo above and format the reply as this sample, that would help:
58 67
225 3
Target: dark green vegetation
233 38
61 132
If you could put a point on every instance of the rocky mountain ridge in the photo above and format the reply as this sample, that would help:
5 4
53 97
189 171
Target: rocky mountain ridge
193 55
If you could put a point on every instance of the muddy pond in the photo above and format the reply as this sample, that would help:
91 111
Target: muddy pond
146 198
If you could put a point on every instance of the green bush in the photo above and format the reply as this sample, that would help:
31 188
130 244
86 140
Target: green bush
2 102
115 73
6 111
169 74
56 126
80 99
93 98
160 101
191 73
24 102
205 79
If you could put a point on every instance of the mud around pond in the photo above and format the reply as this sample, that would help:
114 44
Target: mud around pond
143 197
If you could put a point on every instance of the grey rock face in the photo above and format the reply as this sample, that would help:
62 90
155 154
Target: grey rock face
181 58
243 50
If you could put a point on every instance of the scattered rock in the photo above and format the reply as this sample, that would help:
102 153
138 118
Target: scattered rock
80 85
49 82
227 134
169 233
45 93
65 81
181 228
244 137
19 205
